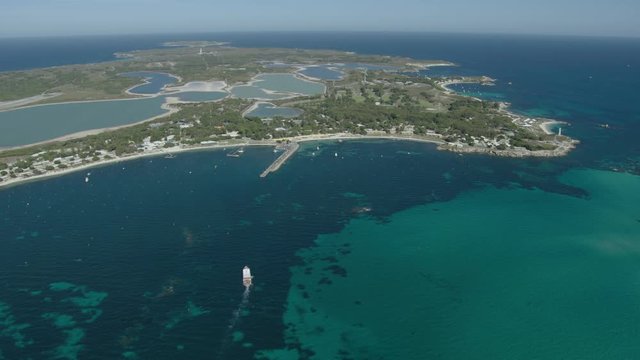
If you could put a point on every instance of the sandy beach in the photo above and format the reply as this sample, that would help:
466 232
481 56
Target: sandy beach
198 86
13 104
182 149
547 125
274 142
445 85
427 66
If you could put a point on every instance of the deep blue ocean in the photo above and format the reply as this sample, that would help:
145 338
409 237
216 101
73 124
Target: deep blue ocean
143 262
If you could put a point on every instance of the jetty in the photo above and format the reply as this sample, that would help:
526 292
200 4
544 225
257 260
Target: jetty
289 150
236 153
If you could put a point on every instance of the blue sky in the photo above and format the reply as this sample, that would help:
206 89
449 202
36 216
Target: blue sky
78 17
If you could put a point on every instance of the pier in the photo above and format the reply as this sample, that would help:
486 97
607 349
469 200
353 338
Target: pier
236 153
290 149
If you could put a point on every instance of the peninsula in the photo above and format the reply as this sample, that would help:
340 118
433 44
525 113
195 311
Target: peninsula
215 95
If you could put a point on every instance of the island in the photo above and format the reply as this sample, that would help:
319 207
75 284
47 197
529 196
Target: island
195 95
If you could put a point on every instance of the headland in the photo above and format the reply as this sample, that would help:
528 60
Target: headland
363 96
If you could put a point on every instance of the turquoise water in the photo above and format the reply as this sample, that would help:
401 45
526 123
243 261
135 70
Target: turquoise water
507 263
509 273
468 259
46 122
156 82
201 96
407 251
267 110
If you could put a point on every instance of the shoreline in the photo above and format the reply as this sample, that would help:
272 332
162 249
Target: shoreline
19 103
170 100
152 153
255 79
254 106
198 86
300 69
169 110
428 66
145 81
546 126
176 150
441 146
23 103
85 101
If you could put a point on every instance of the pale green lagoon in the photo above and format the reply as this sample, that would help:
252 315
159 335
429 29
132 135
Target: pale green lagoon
277 86
254 92
200 96
288 83
45 122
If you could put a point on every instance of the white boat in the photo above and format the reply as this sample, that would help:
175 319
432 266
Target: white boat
246 276
86 179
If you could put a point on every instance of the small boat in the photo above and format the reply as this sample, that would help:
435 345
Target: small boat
86 179
246 276
335 155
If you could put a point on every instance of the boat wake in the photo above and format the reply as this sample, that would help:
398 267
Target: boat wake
235 319
237 312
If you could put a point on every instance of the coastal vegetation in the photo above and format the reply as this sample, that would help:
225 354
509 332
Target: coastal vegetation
364 102
220 62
